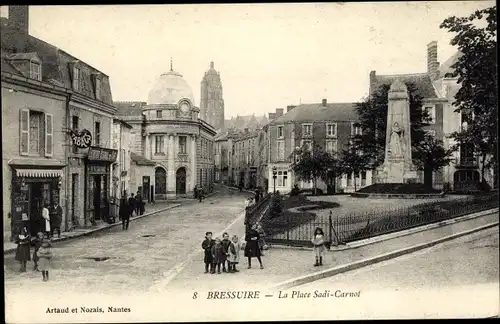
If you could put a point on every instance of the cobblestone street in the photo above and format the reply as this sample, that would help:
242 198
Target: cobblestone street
137 257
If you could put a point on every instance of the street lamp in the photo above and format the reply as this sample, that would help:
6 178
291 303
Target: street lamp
275 171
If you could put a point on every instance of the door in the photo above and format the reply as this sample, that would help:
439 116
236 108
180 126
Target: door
97 197
74 186
36 222
145 188
160 183
180 182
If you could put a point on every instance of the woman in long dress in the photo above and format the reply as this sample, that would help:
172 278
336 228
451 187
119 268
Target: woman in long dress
395 142
252 249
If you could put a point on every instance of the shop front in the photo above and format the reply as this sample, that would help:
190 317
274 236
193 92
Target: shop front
32 189
97 177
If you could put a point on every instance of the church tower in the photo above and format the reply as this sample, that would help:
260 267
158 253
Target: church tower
211 100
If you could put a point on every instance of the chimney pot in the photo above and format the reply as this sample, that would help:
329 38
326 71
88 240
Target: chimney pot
432 62
279 112
323 102
19 17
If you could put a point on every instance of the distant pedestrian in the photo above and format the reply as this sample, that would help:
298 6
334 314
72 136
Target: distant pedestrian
56 219
201 194
124 213
207 245
318 242
240 187
38 243
138 204
45 255
46 217
195 191
217 254
23 241
257 196
131 203
234 254
252 249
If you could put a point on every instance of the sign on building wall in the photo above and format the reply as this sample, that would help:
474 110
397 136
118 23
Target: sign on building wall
102 154
81 139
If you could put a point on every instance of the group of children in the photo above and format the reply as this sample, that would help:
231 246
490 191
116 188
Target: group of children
41 255
219 253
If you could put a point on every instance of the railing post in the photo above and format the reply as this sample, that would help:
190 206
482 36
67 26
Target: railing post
288 228
330 227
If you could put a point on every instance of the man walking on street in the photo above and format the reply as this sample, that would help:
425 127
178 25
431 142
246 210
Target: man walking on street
131 203
124 212
56 219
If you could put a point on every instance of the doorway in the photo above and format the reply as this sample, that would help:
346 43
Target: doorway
145 188
180 182
36 223
160 183
74 195
97 197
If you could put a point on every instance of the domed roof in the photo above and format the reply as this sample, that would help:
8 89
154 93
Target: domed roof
169 89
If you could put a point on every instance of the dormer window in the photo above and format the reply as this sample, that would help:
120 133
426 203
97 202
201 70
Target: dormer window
98 89
35 71
76 79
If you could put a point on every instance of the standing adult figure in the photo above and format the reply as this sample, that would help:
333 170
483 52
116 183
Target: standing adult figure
131 202
252 249
138 203
257 196
56 219
124 212
46 217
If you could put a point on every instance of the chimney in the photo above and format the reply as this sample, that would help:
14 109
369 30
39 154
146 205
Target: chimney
288 108
279 112
323 102
272 116
246 131
432 62
373 82
19 17
212 64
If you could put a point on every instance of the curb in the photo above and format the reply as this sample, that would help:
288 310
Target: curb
366 262
11 250
385 237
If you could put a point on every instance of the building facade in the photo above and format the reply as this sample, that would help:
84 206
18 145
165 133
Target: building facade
221 158
330 126
121 167
212 99
171 149
73 127
244 159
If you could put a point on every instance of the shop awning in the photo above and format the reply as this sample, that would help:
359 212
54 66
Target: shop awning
38 173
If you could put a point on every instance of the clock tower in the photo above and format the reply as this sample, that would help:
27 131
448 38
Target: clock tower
211 99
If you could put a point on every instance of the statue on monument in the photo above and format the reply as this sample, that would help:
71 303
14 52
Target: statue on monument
395 143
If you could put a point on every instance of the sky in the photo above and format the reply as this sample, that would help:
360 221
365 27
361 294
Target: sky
268 55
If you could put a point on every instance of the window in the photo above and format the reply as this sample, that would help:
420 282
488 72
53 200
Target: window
159 141
37 133
349 179
431 110
122 159
159 114
331 146
307 130
280 132
331 130
36 71
97 133
282 179
281 150
363 178
74 126
355 129
182 144
98 88
76 79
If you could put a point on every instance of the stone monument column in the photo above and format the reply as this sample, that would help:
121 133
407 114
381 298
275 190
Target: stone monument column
193 173
398 166
171 181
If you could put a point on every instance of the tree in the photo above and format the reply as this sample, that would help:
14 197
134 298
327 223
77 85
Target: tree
373 121
430 155
476 68
312 164
355 161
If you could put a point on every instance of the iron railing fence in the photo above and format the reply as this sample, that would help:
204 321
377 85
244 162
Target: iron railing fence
253 213
297 229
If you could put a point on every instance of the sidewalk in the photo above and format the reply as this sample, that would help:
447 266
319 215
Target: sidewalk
286 264
10 247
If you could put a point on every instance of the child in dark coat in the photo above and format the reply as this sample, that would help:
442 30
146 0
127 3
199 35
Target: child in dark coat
23 241
225 244
37 243
217 254
207 245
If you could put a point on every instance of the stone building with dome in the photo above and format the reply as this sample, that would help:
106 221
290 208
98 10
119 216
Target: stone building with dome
171 148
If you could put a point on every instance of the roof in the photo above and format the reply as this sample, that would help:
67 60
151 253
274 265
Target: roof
245 136
24 56
169 89
316 112
6 66
140 160
124 123
221 137
422 81
446 68
246 121
129 108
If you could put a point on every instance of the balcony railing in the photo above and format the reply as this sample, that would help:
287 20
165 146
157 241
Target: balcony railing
182 157
467 162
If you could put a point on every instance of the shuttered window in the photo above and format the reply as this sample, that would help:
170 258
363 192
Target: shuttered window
49 134
25 128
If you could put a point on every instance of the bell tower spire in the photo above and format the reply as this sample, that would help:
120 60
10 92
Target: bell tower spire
171 68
